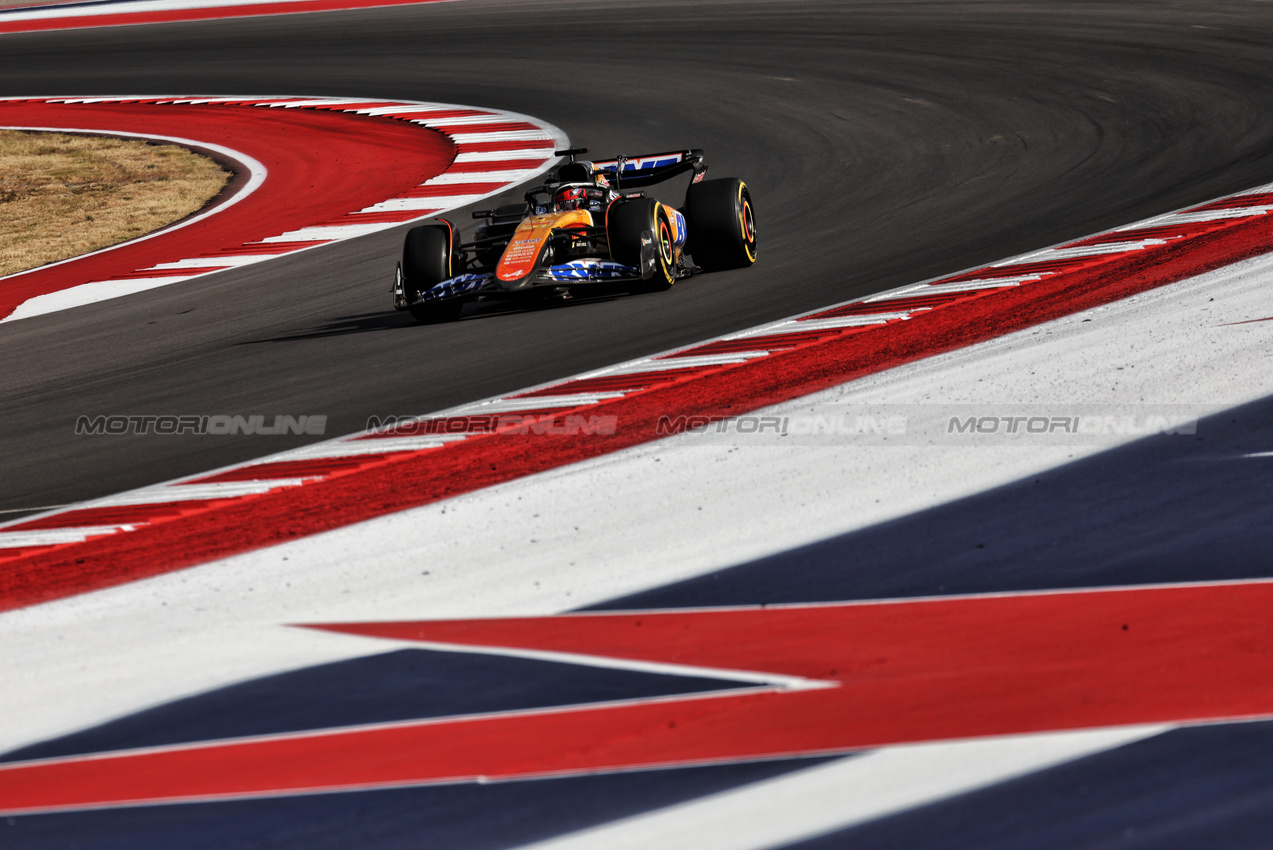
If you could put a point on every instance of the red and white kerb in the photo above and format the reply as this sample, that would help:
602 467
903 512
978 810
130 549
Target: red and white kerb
334 483
318 170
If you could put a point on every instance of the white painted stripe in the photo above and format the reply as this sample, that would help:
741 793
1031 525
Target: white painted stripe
1085 251
226 489
387 107
894 295
194 492
762 330
328 233
197 101
974 285
125 8
89 293
246 469
1208 215
436 203
537 155
383 445
979 283
1063 253
511 405
843 322
56 536
831 797
1253 209
406 107
213 262
780 681
669 363
470 177
962 286
798 325
505 136
465 121
1267 187
321 101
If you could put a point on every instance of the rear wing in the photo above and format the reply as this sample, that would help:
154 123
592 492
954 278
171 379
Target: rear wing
633 172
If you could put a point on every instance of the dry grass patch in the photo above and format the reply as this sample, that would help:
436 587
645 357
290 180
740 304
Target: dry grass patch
64 195
32 2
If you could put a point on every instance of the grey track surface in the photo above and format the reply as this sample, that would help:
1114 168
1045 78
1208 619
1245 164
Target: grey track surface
884 143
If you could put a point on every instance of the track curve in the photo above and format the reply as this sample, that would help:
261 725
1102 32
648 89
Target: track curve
337 170
885 144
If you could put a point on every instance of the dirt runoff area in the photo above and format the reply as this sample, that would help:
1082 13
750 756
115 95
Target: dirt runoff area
4 3
63 195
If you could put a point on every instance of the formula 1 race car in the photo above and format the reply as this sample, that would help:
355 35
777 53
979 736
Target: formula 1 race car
582 228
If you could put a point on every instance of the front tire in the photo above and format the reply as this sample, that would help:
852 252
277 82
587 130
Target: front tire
626 224
426 262
721 224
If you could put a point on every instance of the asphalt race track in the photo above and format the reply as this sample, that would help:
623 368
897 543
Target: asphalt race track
933 637
884 142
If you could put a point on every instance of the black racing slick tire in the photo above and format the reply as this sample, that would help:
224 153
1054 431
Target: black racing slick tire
426 261
626 222
721 224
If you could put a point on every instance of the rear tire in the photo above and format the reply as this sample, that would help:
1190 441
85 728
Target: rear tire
625 223
426 262
721 224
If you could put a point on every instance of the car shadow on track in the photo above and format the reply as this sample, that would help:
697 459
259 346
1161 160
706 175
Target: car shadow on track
387 321
362 323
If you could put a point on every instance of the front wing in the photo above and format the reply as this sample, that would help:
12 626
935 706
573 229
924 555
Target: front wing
566 274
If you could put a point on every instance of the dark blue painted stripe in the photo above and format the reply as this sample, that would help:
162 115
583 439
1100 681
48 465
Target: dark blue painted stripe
401 685
1207 787
1163 509
466 817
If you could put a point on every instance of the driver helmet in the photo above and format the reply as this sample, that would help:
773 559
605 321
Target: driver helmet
571 198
